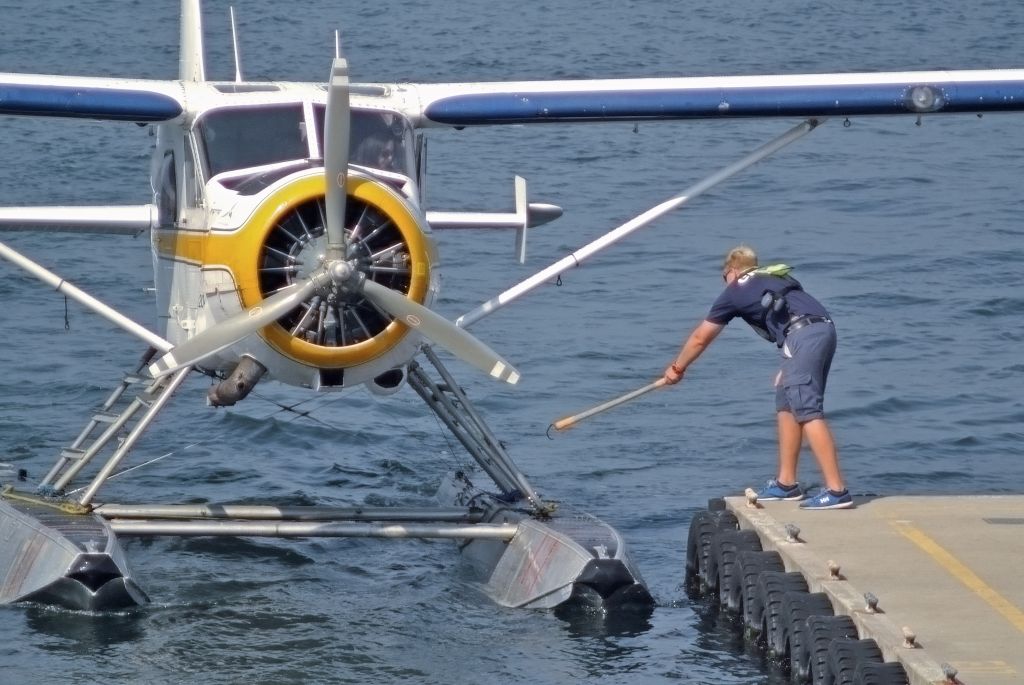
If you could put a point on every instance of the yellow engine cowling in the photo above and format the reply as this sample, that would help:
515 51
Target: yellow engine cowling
328 341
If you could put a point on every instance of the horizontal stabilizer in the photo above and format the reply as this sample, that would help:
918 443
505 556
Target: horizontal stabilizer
526 216
539 213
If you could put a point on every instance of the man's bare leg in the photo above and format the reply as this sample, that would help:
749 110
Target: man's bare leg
823 445
790 440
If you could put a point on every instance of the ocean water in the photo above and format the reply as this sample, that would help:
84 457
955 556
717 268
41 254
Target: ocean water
909 233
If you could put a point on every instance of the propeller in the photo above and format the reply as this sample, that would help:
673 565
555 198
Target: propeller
339 274
442 331
231 330
337 277
416 316
336 135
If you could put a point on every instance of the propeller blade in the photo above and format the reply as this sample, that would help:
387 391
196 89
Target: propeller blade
231 330
336 142
443 332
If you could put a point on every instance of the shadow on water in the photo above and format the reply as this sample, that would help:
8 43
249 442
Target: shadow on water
604 642
86 630
587 622
722 632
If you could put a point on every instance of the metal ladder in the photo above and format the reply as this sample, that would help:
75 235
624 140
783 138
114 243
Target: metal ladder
119 423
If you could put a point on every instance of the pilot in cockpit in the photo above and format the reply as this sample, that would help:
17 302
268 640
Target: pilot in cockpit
379 141
377 152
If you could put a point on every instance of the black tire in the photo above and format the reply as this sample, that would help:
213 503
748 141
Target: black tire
703 526
871 673
694 551
726 520
698 545
846 653
797 607
750 565
821 631
716 504
709 571
726 547
771 588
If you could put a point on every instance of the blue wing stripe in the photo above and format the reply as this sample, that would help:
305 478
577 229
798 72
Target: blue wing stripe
87 103
694 103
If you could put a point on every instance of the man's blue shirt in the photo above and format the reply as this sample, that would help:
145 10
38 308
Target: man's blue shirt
743 297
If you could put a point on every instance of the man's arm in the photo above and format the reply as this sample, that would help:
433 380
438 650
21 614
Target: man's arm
699 339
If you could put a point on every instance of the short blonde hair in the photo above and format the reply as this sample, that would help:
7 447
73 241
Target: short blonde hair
740 257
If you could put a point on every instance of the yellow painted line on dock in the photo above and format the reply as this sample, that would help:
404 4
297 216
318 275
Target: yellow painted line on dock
962 573
987 667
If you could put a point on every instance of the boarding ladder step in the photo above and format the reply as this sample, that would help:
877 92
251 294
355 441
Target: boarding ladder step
109 425
71 453
105 417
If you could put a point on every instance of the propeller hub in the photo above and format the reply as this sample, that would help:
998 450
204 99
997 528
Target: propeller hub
344 281
340 271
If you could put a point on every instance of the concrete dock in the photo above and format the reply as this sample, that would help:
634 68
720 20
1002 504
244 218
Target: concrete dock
948 570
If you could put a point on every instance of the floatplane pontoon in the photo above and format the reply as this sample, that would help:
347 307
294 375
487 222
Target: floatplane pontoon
290 243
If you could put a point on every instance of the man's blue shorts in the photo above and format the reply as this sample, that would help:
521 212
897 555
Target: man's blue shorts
806 359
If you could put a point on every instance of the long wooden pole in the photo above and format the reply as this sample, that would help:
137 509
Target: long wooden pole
570 421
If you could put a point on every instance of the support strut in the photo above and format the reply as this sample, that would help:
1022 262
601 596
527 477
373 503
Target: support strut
451 405
638 222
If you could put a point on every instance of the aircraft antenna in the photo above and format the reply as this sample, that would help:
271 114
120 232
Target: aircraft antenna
234 45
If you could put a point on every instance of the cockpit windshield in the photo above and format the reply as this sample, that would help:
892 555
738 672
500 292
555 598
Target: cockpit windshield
378 139
235 138
245 137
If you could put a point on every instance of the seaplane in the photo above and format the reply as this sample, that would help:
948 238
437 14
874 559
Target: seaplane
291 244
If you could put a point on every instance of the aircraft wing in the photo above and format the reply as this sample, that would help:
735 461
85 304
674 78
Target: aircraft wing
709 97
110 99
80 97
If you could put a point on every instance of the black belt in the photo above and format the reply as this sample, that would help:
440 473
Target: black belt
806 320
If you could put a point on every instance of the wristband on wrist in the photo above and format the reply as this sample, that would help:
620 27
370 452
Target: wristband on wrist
677 369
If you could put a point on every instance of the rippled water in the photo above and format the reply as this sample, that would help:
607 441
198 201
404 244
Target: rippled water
910 234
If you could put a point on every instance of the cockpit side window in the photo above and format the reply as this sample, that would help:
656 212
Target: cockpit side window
245 137
167 192
377 139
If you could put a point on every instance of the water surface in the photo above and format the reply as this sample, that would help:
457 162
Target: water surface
909 233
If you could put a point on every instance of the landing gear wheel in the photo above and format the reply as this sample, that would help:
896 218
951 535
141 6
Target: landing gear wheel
797 607
846 653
